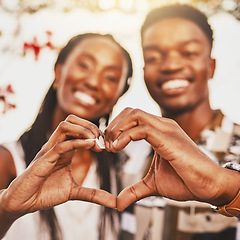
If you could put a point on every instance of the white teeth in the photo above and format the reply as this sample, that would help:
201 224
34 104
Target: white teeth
85 97
176 83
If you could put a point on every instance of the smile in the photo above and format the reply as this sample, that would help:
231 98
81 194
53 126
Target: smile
84 98
175 84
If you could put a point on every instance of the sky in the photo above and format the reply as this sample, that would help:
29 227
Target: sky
30 79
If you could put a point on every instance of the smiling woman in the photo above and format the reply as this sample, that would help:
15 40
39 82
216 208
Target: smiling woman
91 80
91 72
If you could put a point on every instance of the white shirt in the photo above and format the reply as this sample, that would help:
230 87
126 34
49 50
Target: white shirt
77 219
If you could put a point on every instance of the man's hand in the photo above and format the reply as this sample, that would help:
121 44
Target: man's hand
179 170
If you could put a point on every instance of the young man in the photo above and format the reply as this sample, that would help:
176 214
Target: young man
177 42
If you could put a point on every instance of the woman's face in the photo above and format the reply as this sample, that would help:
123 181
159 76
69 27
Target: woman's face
92 78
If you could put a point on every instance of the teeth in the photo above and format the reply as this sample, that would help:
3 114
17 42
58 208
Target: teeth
176 83
85 97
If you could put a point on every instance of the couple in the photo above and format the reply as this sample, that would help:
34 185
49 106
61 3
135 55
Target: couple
65 160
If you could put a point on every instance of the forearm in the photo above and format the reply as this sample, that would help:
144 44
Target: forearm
5 219
208 181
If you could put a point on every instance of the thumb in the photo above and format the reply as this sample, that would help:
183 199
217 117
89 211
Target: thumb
132 194
97 196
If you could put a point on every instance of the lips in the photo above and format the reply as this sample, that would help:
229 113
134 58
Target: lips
85 98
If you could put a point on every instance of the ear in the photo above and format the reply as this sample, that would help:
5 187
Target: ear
212 64
57 71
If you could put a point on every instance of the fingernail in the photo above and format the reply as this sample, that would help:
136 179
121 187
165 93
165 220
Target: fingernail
115 143
100 142
89 140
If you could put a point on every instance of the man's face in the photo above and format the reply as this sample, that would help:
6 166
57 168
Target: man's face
178 64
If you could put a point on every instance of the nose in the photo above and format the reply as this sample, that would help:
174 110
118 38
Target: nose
93 81
172 62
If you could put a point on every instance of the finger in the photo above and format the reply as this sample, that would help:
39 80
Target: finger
131 119
107 132
132 134
132 194
144 188
44 165
164 135
84 123
122 114
99 136
97 196
152 135
66 131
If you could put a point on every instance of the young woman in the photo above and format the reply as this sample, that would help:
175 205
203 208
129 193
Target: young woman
91 72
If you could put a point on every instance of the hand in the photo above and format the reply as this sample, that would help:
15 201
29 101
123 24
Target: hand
48 180
179 169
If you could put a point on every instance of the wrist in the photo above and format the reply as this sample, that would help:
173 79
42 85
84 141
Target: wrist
6 219
231 209
230 205
5 211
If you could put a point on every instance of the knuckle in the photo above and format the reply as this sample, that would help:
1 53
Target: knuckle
136 111
70 117
145 127
132 190
93 194
85 132
93 127
170 121
62 126
136 114
127 109
57 148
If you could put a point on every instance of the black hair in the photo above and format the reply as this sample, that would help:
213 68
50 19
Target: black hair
37 135
179 10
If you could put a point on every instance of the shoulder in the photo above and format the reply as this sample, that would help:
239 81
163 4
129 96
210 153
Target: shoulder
6 156
7 167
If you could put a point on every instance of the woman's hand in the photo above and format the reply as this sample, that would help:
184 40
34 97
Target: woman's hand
179 169
48 180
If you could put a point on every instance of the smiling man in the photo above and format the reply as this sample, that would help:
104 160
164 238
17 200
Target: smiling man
177 42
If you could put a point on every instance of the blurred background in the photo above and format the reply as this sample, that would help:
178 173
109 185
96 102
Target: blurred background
32 32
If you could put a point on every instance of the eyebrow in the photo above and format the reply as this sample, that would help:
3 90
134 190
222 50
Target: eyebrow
86 55
114 68
108 67
154 47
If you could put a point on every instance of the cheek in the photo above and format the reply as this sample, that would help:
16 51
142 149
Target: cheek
203 76
150 73
111 93
202 68
110 96
150 80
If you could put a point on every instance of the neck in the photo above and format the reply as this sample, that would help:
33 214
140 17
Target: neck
58 116
193 122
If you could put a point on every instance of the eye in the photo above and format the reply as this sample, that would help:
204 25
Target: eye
112 78
83 65
151 58
189 53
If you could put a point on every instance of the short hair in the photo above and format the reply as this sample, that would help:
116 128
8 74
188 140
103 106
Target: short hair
179 10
